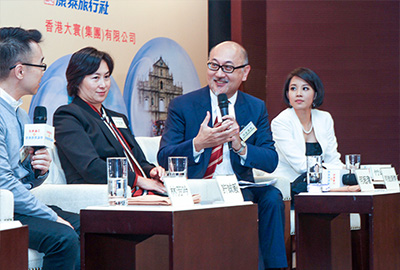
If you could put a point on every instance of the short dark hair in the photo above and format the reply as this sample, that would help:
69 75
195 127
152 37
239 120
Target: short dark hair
82 63
312 79
15 47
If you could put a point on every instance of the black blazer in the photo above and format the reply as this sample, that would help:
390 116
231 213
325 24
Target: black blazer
84 142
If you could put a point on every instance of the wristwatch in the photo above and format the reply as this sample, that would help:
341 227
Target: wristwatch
243 143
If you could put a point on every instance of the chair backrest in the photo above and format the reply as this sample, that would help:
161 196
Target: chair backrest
150 146
6 205
56 173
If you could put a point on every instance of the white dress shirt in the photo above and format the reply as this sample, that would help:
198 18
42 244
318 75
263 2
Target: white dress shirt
9 99
225 167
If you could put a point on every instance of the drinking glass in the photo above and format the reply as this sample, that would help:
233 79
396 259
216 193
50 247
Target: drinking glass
314 174
177 167
353 162
117 178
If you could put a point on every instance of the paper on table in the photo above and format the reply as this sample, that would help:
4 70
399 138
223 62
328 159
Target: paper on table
246 184
156 200
6 225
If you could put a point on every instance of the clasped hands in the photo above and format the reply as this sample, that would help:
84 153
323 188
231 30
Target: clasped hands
227 131
154 182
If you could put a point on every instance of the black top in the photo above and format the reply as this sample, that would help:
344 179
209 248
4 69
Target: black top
313 149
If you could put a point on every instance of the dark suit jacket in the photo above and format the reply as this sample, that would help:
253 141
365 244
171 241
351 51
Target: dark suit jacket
187 112
84 142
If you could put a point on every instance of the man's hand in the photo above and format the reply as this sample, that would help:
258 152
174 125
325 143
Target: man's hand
63 221
208 137
41 160
151 184
157 173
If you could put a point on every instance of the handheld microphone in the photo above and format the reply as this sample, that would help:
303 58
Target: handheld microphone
39 117
223 104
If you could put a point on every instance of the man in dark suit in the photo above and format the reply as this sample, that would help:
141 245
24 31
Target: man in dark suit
190 131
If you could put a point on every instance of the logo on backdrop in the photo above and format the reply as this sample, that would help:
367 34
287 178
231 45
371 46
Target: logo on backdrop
93 6
89 32
160 71
156 93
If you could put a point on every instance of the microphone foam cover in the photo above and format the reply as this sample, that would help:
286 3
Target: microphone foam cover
40 115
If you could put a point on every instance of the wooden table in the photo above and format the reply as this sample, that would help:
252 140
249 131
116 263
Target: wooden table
14 248
323 234
164 237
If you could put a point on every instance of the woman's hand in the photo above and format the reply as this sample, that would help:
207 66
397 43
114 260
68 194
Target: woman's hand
355 188
157 173
151 184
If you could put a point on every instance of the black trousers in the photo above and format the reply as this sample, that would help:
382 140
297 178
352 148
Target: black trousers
271 224
59 243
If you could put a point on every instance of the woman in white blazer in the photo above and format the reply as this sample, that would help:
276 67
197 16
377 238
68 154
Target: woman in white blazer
302 130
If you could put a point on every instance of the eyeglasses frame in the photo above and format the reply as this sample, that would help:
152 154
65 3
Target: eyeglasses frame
222 67
42 66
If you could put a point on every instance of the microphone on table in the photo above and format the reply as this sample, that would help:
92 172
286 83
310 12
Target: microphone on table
39 135
223 104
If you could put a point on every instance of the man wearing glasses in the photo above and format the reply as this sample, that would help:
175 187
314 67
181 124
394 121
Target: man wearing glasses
51 230
195 128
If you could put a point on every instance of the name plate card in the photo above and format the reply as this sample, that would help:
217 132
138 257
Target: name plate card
390 177
178 191
364 180
229 187
375 170
331 178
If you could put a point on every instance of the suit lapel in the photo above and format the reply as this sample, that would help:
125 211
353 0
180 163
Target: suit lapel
240 111
202 104
124 131
107 133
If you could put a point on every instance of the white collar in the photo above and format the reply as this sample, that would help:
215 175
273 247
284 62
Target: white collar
214 99
9 99
216 112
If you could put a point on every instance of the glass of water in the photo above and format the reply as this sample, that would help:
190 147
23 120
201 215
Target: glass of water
177 167
117 178
353 162
314 174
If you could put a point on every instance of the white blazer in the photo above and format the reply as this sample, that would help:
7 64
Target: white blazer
291 147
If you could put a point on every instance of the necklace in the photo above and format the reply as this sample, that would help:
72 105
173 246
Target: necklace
307 131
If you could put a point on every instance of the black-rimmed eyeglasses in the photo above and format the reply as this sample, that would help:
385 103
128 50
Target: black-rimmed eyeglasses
42 66
225 68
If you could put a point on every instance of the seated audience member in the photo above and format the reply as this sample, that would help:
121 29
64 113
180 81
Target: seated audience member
195 128
87 133
301 130
51 231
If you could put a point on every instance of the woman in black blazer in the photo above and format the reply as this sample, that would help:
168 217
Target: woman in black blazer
87 133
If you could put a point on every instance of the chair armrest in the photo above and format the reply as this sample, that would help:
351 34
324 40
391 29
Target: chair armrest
73 197
282 183
6 205
207 188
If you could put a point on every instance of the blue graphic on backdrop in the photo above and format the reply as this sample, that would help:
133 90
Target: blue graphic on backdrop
160 71
52 92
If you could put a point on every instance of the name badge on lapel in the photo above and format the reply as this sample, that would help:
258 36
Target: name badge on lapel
119 122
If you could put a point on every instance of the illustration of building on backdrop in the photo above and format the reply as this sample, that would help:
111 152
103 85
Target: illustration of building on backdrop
156 93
